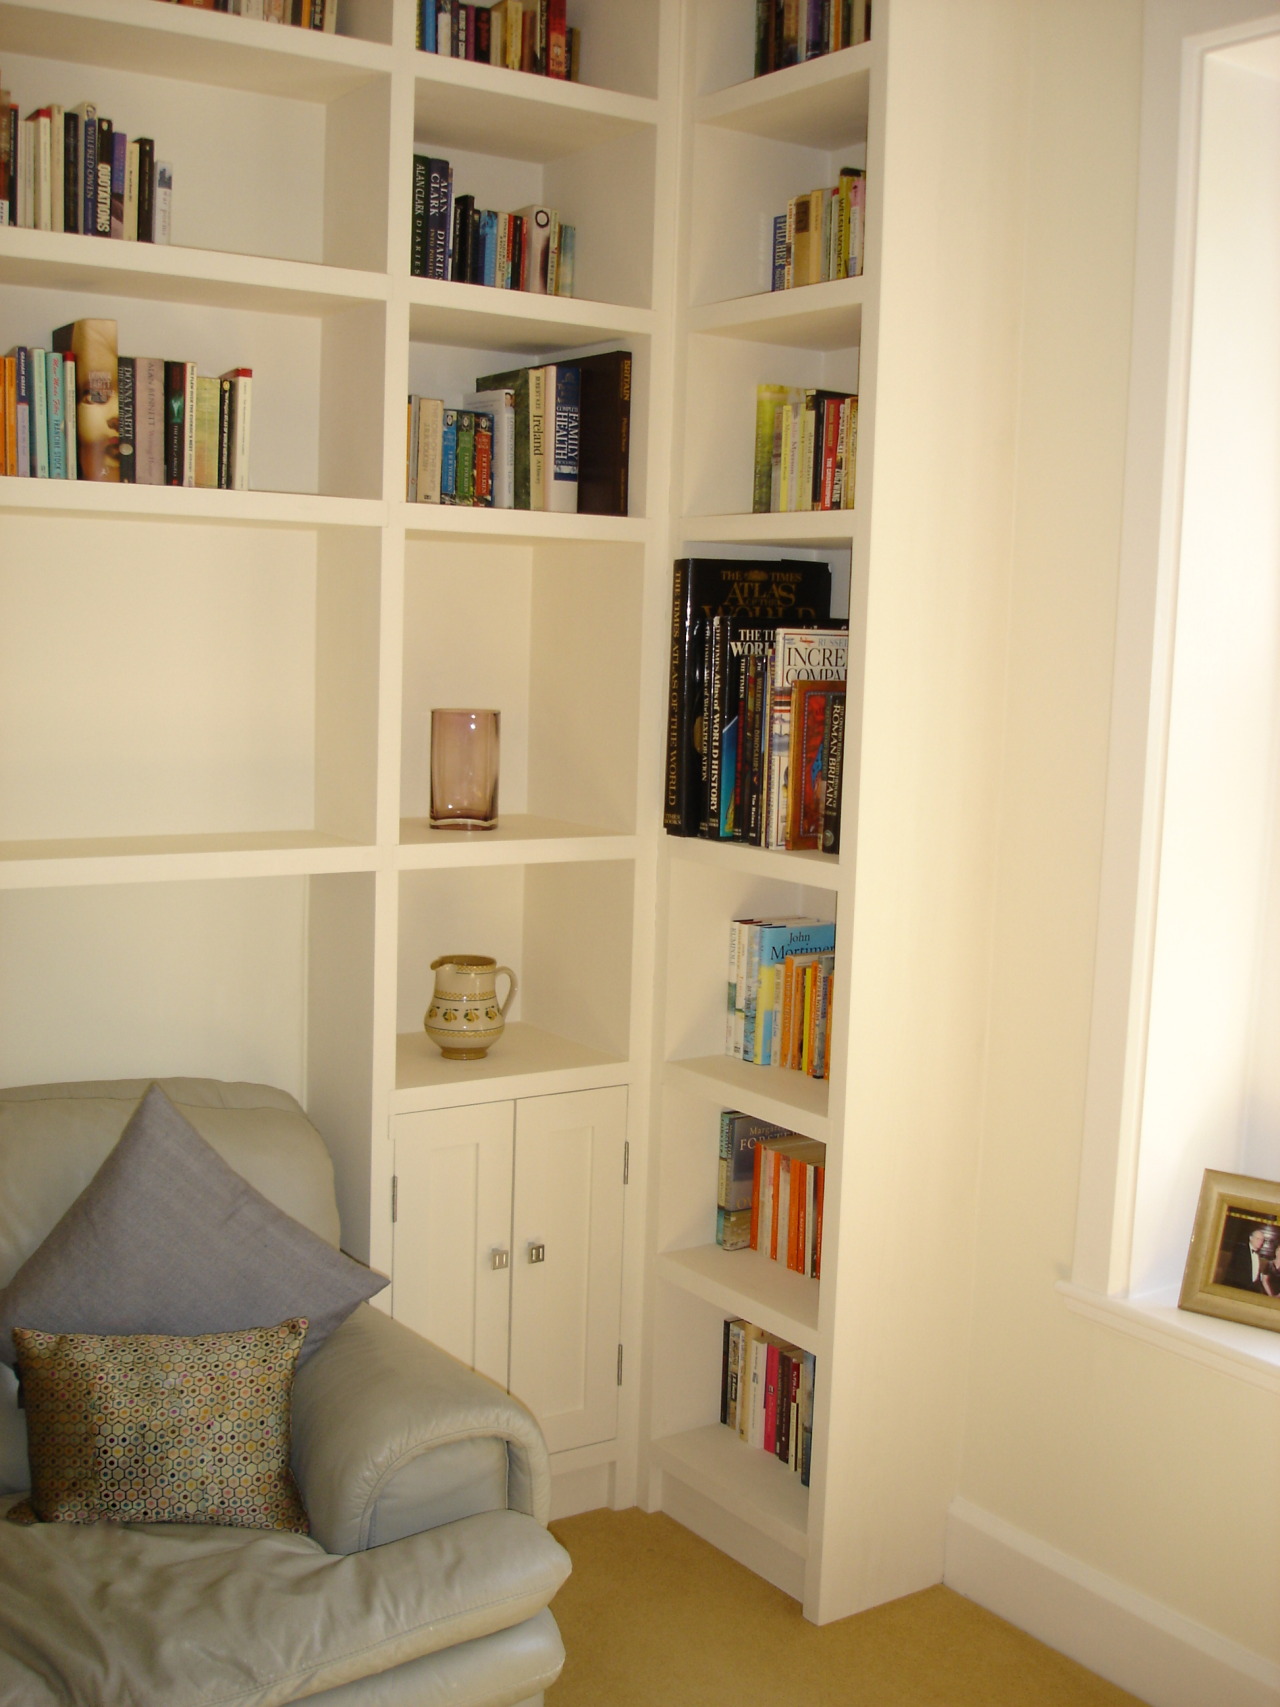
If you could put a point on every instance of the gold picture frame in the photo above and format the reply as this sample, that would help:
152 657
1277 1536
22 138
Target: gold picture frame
1233 1265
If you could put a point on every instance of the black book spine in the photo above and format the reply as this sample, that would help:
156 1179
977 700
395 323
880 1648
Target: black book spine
102 226
127 410
175 423
724 1372
70 172
475 250
226 430
418 246
518 229
604 444
463 208
715 698
146 190
484 34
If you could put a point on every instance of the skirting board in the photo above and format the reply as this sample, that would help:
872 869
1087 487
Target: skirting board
1124 1636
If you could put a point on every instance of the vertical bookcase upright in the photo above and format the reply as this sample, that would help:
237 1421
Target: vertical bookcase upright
926 335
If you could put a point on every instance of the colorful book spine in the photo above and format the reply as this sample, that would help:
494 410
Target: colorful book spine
562 466
127 417
93 345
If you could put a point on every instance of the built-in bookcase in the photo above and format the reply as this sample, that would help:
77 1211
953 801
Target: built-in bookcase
215 706
214 854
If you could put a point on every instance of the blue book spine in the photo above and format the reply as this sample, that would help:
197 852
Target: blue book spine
449 458
489 247
427 13
563 495
780 252
38 380
57 416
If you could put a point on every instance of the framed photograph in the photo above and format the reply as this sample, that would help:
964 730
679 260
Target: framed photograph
1233 1266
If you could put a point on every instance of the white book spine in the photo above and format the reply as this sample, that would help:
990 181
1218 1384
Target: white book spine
131 194
163 211
57 166
71 443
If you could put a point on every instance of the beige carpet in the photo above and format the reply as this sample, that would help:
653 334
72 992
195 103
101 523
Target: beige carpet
654 1617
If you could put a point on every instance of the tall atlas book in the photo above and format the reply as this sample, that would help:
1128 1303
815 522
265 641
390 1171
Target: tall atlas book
93 344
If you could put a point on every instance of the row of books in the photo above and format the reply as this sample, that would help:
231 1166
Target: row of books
806 449
770 1192
531 249
774 735
81 411
305 14
461 456
821 234
542 438
766 1393
788 32
756 598
535 38
778 1009
69 169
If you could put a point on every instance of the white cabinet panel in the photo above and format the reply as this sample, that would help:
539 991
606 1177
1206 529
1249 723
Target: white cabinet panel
565 1307
541 1179
453 1214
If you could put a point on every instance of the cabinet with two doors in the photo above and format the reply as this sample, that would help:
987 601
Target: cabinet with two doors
508 1248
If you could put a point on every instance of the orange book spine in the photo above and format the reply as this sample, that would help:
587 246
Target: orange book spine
755 1196
799 1216
819 1186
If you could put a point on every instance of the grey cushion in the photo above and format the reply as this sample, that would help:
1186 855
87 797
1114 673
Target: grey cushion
167 1239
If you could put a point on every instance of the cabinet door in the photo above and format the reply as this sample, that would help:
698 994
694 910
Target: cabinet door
566 1305
453 1215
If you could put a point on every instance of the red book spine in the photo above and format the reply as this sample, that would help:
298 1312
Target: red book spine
771 1397
830 446
557 40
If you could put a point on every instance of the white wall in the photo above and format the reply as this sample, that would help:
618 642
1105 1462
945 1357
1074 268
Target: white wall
1085 1445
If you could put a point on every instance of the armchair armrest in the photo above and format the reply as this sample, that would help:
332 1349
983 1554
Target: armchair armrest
391 1435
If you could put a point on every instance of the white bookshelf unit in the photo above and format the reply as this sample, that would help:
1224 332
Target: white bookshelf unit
214 706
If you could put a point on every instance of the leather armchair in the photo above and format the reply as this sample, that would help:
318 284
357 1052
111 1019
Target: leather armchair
427 1576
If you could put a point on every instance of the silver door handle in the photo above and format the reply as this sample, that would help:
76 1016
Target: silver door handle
499 1258
537 1253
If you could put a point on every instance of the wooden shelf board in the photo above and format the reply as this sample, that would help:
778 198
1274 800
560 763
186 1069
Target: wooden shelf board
749 1482
821 104
527 1061
817 870
195 46
188 504
81 862
743 1283
825 316
490 110
520 838
161 272
480 317
772 1093
460 523
798 528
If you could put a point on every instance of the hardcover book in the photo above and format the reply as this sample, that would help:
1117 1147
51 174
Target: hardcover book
604 440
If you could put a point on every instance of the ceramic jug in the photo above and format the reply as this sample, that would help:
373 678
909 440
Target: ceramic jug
464 1018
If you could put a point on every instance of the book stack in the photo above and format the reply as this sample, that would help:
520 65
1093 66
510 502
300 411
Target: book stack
806 454
304 14
70 169
747 637
778 1008
820 236
766 1394
558 439
79 410
770 1192
452 238
787 1198
788 32
522 37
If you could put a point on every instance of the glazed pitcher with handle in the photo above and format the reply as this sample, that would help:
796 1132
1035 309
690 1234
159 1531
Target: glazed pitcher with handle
465 1019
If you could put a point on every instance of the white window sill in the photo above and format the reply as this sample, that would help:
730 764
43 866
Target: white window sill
1251 1354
